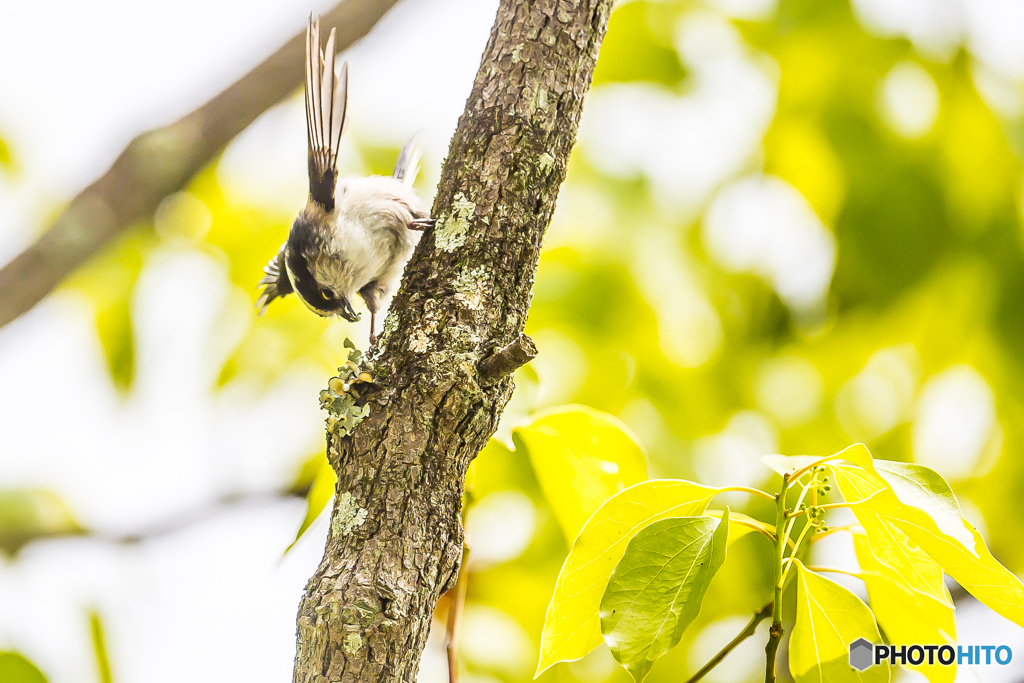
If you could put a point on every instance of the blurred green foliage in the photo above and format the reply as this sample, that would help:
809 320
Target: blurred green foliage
99 647
28 514
637 48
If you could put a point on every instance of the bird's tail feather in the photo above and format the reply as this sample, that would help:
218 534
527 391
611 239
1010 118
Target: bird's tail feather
326 99
408 164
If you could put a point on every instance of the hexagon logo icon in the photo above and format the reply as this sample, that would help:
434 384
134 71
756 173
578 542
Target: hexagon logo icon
861 654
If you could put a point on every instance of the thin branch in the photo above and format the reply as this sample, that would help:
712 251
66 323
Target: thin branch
177 522
758 617
162 161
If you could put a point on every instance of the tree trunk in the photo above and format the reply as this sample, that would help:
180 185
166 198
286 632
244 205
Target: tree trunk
395 538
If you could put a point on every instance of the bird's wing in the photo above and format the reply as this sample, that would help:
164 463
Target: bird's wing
326 99
275 283
408 164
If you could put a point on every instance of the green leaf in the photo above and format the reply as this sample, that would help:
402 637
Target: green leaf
16 669
658 586
907 616
828 619
582 457
917 486
28 514
572 627
919 505
901 559
781 464
925 489
321 490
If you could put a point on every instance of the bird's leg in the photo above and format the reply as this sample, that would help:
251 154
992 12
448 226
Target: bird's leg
421 224
369 294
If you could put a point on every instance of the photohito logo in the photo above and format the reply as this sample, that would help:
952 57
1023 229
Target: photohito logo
864 654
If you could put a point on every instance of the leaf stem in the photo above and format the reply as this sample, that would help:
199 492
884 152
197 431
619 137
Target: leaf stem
746 489
831 530
836 570
796 548
759 616
827 506
799 472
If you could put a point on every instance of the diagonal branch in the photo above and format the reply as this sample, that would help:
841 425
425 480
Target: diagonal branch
396 541
162 161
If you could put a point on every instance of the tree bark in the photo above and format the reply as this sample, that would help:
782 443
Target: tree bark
162 161
395 538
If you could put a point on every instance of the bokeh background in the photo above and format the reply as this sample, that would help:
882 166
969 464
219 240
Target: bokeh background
788 225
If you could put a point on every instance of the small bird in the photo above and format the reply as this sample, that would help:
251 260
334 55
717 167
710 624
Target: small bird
354 236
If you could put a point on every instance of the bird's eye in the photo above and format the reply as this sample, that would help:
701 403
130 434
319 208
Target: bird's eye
326 294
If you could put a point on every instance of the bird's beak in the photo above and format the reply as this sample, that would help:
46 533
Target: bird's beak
347 312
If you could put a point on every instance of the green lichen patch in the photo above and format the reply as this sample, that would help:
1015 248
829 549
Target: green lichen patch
352 644
339 398
347 516
471 286
419 342
452 229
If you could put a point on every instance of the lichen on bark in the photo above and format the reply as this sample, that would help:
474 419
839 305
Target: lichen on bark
465 295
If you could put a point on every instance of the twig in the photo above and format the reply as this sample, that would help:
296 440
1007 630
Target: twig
759 616
508 359
162 161
458 600
455 618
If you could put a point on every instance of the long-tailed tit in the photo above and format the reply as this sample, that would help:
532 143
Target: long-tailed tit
354 236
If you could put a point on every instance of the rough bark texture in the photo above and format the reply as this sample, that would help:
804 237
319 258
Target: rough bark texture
396 540
162 161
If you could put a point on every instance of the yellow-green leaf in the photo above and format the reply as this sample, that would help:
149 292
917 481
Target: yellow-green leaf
14 668
927 523
907 616
829 618
582 457
917 486
320 492
657 588
781 464
901 559
572 627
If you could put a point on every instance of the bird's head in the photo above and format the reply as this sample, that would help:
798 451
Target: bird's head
317 273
